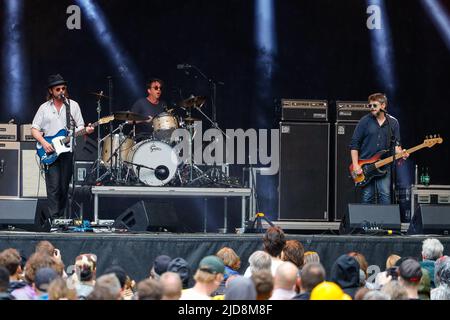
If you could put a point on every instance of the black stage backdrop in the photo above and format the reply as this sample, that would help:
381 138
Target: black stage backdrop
323 52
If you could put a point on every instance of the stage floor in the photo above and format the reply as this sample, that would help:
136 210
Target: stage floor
136 251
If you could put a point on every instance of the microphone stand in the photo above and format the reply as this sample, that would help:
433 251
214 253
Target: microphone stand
392 144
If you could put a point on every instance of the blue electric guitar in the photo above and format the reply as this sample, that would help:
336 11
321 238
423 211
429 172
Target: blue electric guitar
60 142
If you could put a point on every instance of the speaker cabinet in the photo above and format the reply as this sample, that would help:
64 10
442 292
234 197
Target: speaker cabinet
9 169
32 180
304 171
430 219
344 188
25 214
147 215
370 218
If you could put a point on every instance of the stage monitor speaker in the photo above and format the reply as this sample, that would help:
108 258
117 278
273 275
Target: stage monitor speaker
25 214
371 218
9 169
304 171
344 188
430 219
147 215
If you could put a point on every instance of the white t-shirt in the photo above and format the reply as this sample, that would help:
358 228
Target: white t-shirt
191 294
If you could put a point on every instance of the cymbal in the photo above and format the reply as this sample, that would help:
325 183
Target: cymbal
190 119
193 102
129 116
99 95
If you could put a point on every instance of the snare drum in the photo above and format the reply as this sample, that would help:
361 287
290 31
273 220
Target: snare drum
154 163
163 126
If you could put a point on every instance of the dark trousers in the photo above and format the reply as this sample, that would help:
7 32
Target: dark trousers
57 179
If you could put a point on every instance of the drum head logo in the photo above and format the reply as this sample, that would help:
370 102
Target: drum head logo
153 148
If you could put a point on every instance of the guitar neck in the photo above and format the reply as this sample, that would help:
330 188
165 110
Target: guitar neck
388 160
81 132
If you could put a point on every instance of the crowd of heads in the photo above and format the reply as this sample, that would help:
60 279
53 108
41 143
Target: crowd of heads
282 270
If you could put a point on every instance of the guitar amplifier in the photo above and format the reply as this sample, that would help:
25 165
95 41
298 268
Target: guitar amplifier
9 169
25 133
304 110
8 132
429 195
351 111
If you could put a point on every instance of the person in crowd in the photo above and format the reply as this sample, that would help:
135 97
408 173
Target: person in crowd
83 280
232 264
258 260
432 249
311 275
58 290
395 290
263 281
126 292
425 285
172 286
294 252
159 266
180 266
43 278
442 279
328 291
207 278
284 281
240 288
4 284
363 266
391 271
410 274
376 295
11 260
311 256
107 287
345 272
149 289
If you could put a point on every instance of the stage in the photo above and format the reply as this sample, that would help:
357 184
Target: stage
136 252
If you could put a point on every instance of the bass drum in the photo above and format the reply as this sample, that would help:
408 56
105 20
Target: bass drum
154 163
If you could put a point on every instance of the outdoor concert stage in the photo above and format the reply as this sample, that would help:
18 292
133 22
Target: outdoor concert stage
136 252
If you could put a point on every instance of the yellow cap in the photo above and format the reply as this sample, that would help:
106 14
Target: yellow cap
328 291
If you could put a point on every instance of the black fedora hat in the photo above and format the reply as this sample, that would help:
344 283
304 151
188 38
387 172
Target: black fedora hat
55 80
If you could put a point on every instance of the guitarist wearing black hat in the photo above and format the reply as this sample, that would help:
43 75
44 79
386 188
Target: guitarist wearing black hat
373 135
54 118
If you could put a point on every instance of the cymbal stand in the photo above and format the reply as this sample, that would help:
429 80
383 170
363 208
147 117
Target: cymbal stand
99 151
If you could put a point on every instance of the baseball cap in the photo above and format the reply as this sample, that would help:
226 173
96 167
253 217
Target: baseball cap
44 277
212 264
410 270
160 264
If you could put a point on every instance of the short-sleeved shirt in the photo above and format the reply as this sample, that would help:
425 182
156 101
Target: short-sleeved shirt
50 121
370 138
146 108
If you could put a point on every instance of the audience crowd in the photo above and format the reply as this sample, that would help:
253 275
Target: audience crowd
281 271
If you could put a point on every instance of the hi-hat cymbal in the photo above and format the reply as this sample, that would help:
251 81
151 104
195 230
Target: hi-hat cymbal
99 95
193 102
129 116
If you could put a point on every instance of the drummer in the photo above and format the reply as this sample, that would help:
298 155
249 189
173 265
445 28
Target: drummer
150 106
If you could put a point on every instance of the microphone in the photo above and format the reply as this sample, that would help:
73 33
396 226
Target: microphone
183 66
62 96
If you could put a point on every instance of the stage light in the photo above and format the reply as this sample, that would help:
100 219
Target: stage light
383 53
266 48
439 17
124 66
13 59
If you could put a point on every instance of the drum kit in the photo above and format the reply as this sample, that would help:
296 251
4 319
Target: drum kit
154 161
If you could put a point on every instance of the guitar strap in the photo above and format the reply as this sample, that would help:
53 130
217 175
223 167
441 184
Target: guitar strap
68 122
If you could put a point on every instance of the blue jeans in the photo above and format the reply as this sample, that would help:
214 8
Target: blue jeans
380 187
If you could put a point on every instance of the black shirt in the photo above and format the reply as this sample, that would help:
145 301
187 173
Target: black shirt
144 107
370 138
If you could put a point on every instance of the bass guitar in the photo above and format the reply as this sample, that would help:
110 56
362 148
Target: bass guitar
60 142
373 167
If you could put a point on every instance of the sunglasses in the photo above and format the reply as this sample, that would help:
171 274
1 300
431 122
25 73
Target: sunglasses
373 105
60 89
157 88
